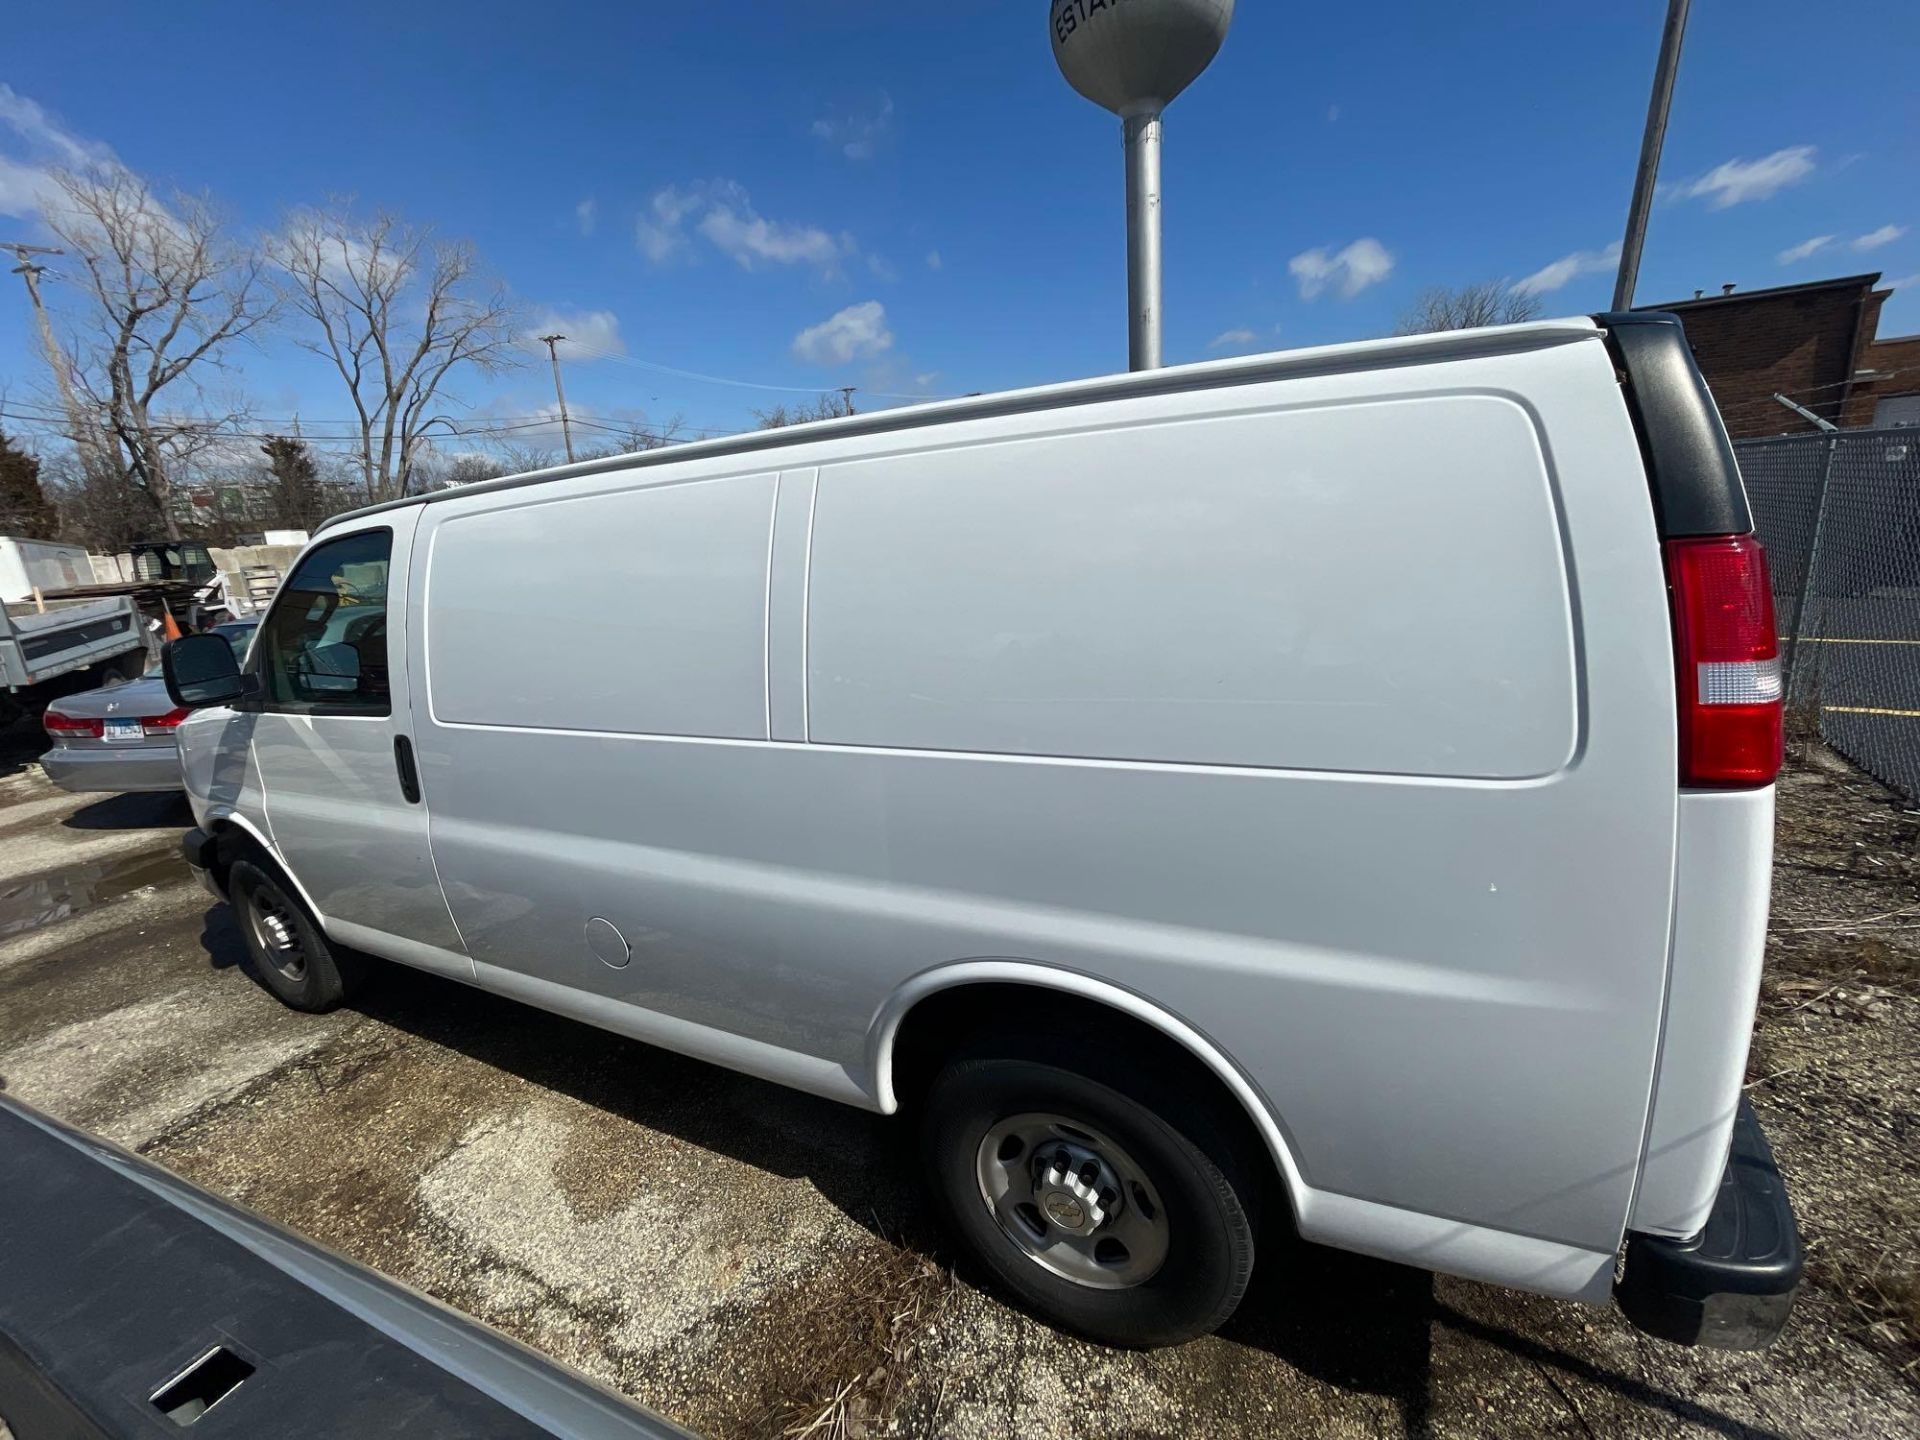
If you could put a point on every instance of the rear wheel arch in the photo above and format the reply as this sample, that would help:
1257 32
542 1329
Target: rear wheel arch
939 1013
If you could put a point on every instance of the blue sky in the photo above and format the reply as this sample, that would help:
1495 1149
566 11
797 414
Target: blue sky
906 197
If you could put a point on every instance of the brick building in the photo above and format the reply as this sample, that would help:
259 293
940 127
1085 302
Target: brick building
1814 343
1892 395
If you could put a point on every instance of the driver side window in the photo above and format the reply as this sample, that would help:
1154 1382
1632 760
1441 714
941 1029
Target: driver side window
323 649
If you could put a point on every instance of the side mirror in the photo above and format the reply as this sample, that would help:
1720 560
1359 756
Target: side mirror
201 670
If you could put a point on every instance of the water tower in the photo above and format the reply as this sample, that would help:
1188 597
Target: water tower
1133 57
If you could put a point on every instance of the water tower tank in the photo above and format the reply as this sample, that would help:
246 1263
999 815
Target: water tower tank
1134 56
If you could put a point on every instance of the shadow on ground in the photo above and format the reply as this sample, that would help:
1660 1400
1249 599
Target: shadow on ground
154 810
1361 1325
22 742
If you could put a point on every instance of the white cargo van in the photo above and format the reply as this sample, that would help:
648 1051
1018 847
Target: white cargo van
1327 792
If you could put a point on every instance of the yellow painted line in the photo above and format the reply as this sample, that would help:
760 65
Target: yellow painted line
1832 640
1869 710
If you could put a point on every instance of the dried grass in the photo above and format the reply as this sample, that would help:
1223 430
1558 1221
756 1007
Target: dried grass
1833 1050
869 1327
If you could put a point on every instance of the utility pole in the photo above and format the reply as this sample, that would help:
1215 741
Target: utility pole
566 425
85 439
846 398
1651 142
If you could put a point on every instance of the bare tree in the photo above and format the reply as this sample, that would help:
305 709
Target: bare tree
634 436
472 467
830 406
398 314
99 510
638 435
1492 302
167 294
522 458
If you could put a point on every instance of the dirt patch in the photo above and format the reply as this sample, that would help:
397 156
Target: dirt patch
1835 1067
334 1143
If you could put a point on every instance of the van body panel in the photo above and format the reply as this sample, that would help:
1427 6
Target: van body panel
1478 1252
1723 869
664 586
1445 988
1292 588
722 1047
218 770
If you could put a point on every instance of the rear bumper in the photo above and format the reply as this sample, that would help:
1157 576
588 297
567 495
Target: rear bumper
113 770
201 851
1731 1286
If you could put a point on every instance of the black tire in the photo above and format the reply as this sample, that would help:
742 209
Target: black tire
264 908
1187 1154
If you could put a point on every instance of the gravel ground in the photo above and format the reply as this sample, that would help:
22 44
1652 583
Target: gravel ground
749 1260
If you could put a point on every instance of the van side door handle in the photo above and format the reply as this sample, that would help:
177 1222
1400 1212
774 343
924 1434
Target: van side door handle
409 772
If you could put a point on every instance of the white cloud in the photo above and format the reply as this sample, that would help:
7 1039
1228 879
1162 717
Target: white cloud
1347 272
926 379
1737 181
751 239
1237 339
29 120
882 268
1333 114
24 189
934 262
591 334
661 230
1904 282
722 213
342 256
857 134
35 145
1874 239
1566 268
856 333
1796 253
587 215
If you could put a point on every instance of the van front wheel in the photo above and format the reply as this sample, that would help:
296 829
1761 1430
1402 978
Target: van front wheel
1094 1191
290 956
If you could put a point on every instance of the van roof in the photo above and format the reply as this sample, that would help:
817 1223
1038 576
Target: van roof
1204 375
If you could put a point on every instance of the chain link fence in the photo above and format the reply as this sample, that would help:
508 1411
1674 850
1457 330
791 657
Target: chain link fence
1840 516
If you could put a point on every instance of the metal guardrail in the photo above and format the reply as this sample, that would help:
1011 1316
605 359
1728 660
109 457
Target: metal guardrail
1839 514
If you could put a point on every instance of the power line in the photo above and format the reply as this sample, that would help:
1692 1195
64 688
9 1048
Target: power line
493 427
603 354
1875 379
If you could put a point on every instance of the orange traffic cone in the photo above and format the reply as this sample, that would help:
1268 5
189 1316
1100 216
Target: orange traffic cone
169 626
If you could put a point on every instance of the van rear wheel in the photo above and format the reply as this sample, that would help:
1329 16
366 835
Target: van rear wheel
1093 1190
290 955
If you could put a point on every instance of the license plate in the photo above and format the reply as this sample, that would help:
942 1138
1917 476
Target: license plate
123 730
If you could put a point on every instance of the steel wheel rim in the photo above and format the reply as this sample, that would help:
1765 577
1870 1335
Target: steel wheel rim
277 934
1096 1220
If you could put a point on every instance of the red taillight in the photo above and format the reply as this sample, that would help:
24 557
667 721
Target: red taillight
163 724
67 727
1728 658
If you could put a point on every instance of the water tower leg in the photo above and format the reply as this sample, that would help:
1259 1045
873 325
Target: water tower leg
1142 134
